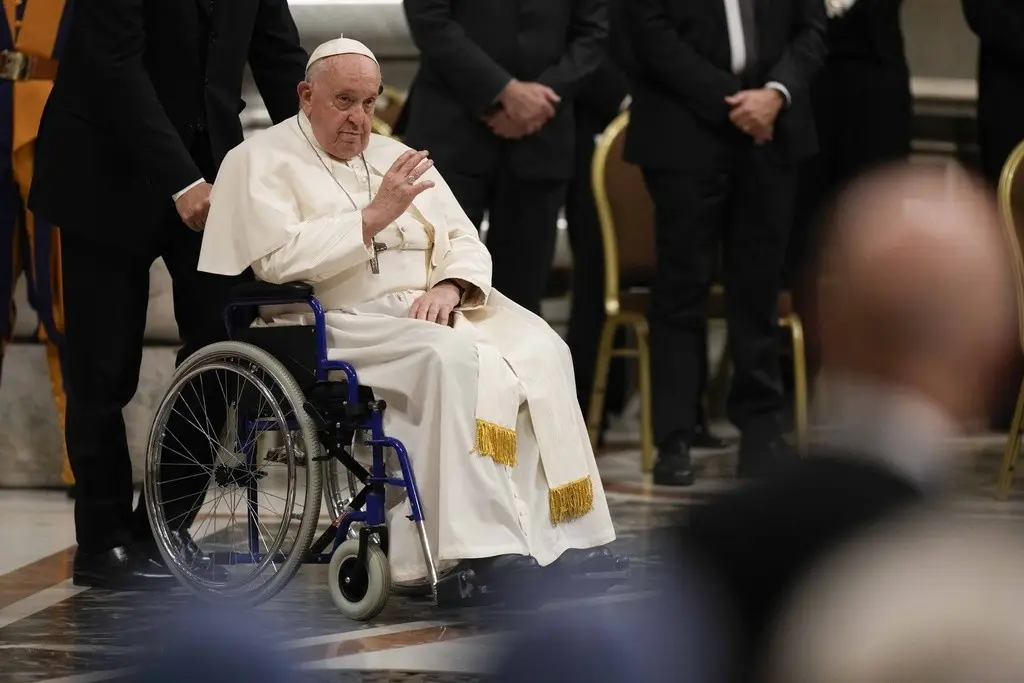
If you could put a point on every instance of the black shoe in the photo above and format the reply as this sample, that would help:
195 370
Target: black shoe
576 562
763 458
191 555
673 467
120 569
704 438
502 567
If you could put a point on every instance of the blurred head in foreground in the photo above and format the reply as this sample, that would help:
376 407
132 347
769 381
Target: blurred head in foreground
917 294
918 601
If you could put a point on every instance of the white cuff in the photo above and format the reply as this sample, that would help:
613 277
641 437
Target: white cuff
625 103
176 196
775 85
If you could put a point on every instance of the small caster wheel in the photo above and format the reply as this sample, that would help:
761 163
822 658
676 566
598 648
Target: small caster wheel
359 595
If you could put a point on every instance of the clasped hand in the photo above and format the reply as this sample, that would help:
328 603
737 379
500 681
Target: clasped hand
754 112
525 108
397 191
437 304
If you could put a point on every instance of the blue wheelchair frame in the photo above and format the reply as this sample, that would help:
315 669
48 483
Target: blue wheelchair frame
368 506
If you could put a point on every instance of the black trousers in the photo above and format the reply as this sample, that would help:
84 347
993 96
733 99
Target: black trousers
106 296
523 227
741 204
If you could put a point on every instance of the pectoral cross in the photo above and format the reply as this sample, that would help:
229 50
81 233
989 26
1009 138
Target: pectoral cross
374 262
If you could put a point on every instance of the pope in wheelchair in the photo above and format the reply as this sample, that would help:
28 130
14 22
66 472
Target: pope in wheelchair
480 472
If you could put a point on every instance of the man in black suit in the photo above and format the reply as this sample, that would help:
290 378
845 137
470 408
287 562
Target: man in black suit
862 110
999 25
721 117
494 105
143 109
911 254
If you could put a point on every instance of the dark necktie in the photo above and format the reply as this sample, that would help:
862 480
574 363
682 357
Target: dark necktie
749 32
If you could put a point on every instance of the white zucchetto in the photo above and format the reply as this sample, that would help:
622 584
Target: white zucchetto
339 46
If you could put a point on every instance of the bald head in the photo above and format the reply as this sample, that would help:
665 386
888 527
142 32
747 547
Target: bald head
918 286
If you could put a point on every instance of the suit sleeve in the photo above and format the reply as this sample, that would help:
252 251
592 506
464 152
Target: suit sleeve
588 35
805 54
473 76
997 23
661 55
122 98
277 59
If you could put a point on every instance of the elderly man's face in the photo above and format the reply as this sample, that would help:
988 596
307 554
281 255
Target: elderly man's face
339 98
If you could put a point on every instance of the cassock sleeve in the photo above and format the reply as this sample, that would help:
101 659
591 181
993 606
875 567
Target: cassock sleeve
255 221
474 77
806 52
588 34
997 23
122 97
277 59
468 259
664 57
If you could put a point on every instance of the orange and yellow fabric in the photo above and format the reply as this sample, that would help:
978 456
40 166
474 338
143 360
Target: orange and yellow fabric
32 34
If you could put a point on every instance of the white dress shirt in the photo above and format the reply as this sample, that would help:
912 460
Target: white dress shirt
738 46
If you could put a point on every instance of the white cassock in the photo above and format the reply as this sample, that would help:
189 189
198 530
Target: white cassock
486 408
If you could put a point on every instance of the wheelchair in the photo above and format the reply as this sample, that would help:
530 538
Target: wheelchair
284 417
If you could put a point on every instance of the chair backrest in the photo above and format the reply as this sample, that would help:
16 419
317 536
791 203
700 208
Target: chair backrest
1011 208
626 215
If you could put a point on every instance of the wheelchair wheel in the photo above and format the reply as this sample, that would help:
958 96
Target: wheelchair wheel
225 403
359 595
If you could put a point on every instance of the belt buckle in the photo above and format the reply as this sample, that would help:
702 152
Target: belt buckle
15 65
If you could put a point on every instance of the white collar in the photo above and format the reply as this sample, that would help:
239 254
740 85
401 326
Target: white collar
893 426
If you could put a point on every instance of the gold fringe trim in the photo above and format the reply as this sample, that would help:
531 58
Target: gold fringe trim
571 501
496 442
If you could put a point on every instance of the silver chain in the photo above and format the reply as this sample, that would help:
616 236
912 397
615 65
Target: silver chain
330 172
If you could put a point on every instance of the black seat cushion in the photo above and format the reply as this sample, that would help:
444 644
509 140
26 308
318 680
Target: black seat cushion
268 292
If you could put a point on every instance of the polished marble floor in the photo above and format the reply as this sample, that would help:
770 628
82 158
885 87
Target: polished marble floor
52 631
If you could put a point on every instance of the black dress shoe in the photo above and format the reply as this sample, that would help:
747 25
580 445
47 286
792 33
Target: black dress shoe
673 467
502 568
120 569
576 562
191 555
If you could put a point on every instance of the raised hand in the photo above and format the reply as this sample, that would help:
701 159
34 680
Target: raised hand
397 191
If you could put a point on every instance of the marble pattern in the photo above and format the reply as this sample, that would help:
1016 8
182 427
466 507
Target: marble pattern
95 631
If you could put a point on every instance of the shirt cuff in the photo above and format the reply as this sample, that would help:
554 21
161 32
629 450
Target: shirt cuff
775 85
177 195
625 103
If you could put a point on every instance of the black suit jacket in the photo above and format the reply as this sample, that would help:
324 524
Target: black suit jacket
682 74
759 541
870 31
469 51
138 82
999 25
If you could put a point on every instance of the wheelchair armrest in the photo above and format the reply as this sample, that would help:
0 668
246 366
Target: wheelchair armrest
267 292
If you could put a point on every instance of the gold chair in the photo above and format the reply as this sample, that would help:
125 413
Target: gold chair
1010 196
626 215
389 105
380 127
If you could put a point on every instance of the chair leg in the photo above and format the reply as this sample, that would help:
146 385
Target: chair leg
595 413
718 385
1012 448
646 426
796 331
